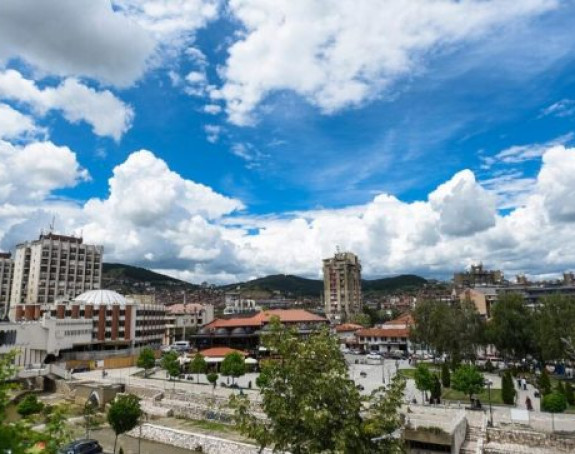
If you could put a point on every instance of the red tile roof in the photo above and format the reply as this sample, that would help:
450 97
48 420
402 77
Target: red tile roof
220 352
381 332
346 327
404 319
263 317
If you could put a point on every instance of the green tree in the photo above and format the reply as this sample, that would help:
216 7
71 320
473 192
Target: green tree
57 432
423 379
198 366
312 405
29 405
554 321
15 437
146 360
233 365
468 380
436 390
124 414
171 364
445 375
560 388
90 408
362 319
569 395
544 382
554 402
511 327
212 377
508 389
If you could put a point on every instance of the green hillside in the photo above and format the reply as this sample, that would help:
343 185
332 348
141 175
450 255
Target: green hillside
299 286
390 284
119 271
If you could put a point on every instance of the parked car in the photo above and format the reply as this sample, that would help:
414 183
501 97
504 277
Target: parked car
82 447
375 356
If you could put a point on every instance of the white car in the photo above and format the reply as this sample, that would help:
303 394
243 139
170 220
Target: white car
376 356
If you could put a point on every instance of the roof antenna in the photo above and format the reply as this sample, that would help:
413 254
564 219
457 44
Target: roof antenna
52 224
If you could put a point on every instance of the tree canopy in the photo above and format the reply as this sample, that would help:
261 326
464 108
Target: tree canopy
146 359
311 403
171 364
198 365
124 414
468 380
233 365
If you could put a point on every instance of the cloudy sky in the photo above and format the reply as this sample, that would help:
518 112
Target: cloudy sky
223 140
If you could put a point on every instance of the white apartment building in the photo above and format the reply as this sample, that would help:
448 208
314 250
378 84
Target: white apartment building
54 267
6 267
342 287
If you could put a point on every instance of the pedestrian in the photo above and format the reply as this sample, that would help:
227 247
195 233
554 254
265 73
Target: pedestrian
524 383
528 404
518 382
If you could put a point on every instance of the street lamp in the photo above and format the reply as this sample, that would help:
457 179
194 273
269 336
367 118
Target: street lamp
489 383
382 369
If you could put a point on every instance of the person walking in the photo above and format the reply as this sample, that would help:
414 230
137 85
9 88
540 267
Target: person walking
528 404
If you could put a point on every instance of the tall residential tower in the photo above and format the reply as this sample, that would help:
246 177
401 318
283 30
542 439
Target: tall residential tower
6 266
54 267
342 287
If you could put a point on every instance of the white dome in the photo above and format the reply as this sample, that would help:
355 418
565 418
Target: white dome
101 297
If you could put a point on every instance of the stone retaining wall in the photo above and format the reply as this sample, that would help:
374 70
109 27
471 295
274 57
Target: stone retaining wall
553 442
187 440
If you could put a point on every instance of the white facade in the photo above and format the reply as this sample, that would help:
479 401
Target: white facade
54 267
35 340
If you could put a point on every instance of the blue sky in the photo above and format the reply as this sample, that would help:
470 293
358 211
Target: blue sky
276 131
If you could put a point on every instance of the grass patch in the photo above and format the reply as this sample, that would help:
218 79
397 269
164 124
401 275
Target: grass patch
212 426
451 394
407 373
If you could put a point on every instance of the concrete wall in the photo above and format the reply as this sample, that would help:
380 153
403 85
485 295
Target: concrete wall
192 441
552 442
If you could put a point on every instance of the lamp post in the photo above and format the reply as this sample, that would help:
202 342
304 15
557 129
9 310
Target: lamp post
382 369
489 383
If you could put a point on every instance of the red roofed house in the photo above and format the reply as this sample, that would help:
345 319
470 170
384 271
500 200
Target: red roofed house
391 337
244 332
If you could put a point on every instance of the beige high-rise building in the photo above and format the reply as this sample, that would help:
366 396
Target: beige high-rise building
54 267
342 287
6 267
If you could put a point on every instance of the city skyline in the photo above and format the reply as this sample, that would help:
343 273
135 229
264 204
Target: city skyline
219 141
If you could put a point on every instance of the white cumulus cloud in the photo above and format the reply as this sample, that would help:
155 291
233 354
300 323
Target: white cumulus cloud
338 54
75 38
107 115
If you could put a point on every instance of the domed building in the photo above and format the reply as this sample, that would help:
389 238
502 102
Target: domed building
99 327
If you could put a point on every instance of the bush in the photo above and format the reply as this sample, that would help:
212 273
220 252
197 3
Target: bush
29 406
445 375
554 402
489 367
569 395
544 382
507 389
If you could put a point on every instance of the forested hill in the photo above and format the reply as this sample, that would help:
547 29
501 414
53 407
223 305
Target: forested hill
299 286
128 274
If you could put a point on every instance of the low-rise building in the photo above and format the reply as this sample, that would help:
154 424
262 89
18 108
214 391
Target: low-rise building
244 332
95 326
482 297
183 320
391 337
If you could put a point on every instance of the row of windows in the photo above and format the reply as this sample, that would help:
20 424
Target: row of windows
78 332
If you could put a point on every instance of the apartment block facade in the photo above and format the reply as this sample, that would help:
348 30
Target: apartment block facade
6 269
54 267
342 287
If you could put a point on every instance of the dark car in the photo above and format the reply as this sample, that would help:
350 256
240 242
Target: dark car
82 447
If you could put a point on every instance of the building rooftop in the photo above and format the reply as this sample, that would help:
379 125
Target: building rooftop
101 297
220 352
263 317
347 327
383 332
